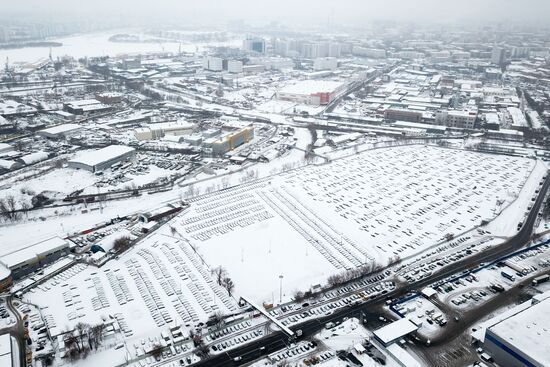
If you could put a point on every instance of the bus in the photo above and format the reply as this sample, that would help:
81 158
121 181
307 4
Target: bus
540 279
507 275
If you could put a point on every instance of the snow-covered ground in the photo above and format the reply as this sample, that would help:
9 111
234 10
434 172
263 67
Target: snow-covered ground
157 284
375 206
340 338
419 310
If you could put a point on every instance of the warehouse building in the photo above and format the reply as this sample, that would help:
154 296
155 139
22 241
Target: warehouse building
228 142
519 122
7 165
212 63
102 159
5 148
7 357
6 280
159 130
519 338
85 106
395 331
33 158
313 92
403 114
30 259
60 131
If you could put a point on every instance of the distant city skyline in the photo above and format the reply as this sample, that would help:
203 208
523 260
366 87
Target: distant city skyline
351 12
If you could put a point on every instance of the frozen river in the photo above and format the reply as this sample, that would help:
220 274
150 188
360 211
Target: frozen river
98 44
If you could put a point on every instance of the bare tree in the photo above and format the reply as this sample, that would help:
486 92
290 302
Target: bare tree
229 285
217 319
225 183
156 351
96 335
8 208
220 273
122 243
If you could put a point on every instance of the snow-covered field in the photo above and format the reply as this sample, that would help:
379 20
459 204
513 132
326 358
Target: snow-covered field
375 206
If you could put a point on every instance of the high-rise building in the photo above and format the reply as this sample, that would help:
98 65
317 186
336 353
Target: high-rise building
213 63
254 44
498 55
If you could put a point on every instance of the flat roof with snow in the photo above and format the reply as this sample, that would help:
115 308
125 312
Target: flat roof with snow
528 331
309 87
394 331
38 249
5 345
60 129
4 147
93 158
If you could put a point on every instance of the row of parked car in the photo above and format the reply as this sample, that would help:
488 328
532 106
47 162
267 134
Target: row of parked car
237 340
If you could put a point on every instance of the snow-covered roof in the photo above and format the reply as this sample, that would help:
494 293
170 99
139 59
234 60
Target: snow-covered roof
308 87
9 165
518 119
5 347
60 129
4 273
95 157
428 292
401 355
528 331
29 253
4 147
395 330
34 157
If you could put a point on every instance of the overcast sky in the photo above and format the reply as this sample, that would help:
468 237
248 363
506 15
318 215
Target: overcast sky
292 11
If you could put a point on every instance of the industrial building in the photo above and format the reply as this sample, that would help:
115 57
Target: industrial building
7 165
5 147
519 337
6 355
213 63
60 131
325 63
99 160
402 114
313 92
85 106
157 131
31 258
235 66
33 158
395 331
458 119
109 97
228 142
519 122
6 280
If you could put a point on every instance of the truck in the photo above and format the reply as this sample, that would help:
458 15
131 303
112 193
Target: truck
540 279
515 267
497 288
507 275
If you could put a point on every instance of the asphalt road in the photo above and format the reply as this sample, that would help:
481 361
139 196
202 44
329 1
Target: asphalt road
278 340
18 332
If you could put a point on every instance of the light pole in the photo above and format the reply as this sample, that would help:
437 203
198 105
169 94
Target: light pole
281 289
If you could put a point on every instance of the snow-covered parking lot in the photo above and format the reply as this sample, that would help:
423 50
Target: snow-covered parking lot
157 284
376 206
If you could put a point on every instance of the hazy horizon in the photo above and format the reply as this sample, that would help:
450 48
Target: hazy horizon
287 12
